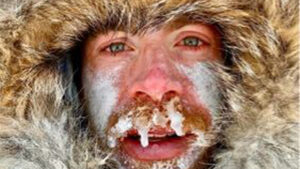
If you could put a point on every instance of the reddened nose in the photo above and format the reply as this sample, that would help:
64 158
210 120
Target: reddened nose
155 84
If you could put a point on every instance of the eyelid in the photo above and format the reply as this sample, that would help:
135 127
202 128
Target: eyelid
186 34
106 44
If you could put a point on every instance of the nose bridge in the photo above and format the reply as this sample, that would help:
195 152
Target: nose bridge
155 63
155 79
156 55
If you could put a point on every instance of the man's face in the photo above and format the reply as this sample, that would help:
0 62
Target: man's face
153 97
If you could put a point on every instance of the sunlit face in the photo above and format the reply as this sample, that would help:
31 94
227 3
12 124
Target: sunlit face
153 97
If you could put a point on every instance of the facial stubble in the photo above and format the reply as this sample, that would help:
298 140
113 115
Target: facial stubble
102 98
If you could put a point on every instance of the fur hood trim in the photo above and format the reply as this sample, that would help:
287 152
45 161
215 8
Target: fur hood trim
261 79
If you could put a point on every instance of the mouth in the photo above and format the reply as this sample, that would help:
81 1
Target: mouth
151 134
164 144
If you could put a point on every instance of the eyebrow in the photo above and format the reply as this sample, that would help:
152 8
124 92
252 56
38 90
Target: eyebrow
179 23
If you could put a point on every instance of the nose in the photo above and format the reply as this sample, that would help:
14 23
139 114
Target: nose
156 84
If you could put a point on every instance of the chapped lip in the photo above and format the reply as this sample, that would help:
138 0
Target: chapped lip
164 144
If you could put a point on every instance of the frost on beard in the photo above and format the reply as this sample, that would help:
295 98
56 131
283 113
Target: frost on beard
143 124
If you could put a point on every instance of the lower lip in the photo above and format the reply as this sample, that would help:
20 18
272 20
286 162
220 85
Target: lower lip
158 150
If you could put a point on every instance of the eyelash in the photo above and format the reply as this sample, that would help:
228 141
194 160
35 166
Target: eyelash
106 50
202 43
126 47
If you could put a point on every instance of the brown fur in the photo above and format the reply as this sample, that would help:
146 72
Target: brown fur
260 118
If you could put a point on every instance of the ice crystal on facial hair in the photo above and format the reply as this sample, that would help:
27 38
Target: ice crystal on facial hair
143 132
143 126
123 125
111 142
175 117
202 140
159 118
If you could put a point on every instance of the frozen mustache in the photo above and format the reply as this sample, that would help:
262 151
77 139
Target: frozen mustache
143 121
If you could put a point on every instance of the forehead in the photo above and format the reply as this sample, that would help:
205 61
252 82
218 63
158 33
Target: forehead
178 24
183 21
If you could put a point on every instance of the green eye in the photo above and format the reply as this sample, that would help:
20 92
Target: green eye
117 47
191 41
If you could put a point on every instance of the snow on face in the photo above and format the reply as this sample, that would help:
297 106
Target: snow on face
205 85
176 118
142 124
101 95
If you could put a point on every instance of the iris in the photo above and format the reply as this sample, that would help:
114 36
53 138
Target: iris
191 41
117 47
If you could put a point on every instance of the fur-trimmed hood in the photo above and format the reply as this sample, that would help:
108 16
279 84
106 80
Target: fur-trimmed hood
40 113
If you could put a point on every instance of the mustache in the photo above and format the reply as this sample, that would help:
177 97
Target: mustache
146 116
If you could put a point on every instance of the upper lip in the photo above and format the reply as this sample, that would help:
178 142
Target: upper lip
152 133
156 132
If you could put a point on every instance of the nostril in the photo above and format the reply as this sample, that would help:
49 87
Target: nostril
141 96
155 89
169 95
144 97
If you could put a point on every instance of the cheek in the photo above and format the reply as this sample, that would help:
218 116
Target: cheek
205 86
101 95
190 57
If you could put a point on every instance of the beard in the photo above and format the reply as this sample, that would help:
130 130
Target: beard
136 128
138 121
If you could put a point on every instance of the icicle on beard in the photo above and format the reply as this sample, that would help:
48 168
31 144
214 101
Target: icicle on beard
112 126
171 114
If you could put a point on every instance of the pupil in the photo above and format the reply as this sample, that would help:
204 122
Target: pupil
191 41
117 47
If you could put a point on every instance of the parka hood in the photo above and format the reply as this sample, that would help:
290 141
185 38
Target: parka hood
38 101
